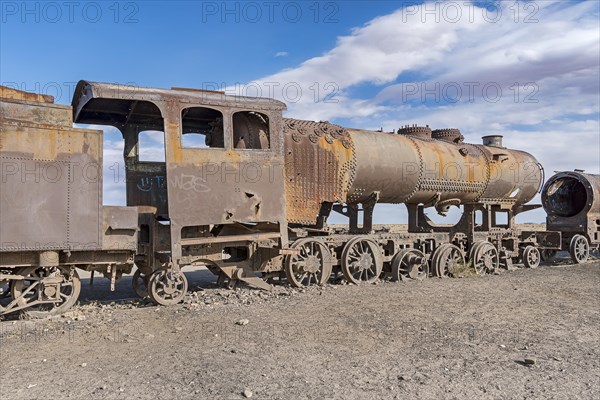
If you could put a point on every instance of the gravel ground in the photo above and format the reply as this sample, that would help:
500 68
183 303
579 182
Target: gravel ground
521 334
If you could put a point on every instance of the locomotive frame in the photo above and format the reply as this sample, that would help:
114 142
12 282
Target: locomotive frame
250 200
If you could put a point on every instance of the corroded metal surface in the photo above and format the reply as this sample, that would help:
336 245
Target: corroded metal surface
51 214
51 177
319 167
120 228
571 200
414 169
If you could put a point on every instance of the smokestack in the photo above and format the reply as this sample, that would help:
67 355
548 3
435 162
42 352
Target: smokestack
493 141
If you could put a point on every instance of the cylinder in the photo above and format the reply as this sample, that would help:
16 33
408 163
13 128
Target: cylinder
419 170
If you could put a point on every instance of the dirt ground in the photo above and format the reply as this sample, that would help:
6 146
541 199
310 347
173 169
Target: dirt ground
451 339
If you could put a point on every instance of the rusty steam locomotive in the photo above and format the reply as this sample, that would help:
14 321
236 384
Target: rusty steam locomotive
247 193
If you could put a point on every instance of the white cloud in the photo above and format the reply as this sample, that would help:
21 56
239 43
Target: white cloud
281 54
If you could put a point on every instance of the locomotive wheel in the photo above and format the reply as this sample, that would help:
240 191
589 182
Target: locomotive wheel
579 249
474 247
166 287
531 257
446 260
311 266
485 258
69 290
547 255
409 264
362 261
139 281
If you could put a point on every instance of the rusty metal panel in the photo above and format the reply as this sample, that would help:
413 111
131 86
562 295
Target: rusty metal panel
116 217
147 185
51 183
33 211
85 198
319 167
8 93
33 114
220 187
119 228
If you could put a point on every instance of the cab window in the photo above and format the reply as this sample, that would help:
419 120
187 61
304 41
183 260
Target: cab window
251 131
202 128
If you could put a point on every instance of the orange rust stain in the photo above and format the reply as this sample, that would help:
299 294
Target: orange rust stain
233 156
469 170
173 144
14 94
437 151
53 139
177 154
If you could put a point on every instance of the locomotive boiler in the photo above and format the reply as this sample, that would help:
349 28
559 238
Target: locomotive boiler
247 194
414 166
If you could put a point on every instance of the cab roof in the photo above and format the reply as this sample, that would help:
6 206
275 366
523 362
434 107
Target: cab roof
115 104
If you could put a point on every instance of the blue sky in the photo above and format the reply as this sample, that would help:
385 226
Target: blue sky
178 43
526 70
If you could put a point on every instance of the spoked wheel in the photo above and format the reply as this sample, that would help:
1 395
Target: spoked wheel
139 281
362 261
531 257
167 287
446 260
311 266
58 295
409 264
548 255
484 257
579 249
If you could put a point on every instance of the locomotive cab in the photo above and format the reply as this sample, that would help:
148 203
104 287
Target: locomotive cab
221 182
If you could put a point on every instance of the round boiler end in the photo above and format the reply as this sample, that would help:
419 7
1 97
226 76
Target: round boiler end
566 195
